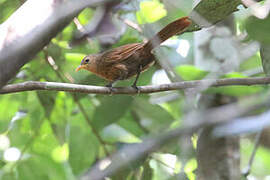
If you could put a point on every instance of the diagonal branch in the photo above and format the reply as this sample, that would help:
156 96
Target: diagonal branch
31 28
130 153
56 86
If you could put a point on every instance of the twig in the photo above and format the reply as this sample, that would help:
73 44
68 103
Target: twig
137 121
131 24
56 86
247 170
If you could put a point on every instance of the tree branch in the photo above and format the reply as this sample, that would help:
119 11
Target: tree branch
56 86
214 116
20 42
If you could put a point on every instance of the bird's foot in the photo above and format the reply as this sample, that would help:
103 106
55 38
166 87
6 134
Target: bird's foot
110 87
136 87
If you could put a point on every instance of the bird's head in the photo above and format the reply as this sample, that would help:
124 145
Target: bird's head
88 63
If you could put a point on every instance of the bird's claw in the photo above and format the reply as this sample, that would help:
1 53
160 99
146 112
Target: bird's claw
136 87
110 88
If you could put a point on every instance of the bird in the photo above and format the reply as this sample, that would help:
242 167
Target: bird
130 60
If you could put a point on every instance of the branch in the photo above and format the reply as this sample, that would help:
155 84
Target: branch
56 86
20 42
214 116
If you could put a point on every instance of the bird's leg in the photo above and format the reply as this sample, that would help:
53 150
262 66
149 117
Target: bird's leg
134 85
109 85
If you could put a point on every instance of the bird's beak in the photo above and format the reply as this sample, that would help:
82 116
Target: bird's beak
78 68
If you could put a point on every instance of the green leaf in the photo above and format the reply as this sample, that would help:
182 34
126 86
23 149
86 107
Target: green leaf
236 90
85 15
251 63
10 104
258 29
189 72
40 167
154 115
212 11
47 100
46 141
128 122
150 11
265 57
147 171
83 149
76 57
110 110
190 167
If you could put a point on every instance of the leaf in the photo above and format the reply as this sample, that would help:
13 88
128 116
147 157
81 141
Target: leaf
251 63
189 72
46 141
265 57
209 12
60 115
110 110
40 167
190 168
83 149
147 171
150 11
154 116
85 15
236 90
76 57
129 123
258 29
47 100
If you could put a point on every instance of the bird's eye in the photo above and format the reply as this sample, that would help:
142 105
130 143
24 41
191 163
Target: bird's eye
87 60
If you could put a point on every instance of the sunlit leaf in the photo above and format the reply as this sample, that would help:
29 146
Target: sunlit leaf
77 57
60 153
189 169
85 15
189 72
150 11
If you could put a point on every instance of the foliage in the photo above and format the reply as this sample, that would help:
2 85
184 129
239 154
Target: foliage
61 135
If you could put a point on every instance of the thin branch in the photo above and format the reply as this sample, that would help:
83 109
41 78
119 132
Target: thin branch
137 121
247 170
130 153
56 86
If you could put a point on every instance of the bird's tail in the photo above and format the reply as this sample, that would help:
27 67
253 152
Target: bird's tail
176 27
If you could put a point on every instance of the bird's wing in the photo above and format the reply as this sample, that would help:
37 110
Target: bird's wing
120 53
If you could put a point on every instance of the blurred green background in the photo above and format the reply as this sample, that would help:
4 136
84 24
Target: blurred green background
58 135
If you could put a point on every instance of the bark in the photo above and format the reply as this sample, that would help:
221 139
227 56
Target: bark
216 51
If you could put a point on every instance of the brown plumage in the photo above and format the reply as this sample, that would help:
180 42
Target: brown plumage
129 60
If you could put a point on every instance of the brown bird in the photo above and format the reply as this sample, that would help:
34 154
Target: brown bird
129 60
